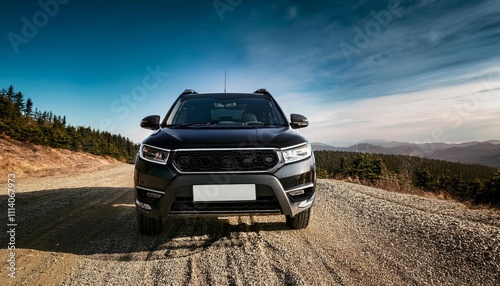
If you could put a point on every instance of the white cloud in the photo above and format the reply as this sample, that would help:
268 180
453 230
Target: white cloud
458 113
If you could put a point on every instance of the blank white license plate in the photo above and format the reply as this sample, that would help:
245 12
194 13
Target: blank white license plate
221 193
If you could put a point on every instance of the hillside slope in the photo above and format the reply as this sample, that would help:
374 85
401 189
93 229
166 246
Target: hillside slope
481 153
27 159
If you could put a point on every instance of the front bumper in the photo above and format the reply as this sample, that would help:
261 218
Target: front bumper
161 192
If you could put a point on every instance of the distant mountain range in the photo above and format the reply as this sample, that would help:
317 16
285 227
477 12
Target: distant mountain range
484 153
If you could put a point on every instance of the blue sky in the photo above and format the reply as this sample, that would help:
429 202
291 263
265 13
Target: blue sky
416 71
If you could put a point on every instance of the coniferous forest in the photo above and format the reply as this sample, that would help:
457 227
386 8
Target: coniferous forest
464 182
20 120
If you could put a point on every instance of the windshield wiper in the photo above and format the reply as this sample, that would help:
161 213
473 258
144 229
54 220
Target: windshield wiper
189 125
261 124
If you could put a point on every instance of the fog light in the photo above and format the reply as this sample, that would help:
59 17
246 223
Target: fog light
153 195
296 193
307 203
143 205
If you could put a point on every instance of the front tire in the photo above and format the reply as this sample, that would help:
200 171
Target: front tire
147 225
300 220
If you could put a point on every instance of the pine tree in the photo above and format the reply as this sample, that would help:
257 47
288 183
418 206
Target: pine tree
44 117
10 93
19 100
423 178
29 107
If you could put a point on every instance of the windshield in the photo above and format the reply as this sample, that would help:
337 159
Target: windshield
229 112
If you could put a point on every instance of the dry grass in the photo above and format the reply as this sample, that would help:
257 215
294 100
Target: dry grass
27 159
404 186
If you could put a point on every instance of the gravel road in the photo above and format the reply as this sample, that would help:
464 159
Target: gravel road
80 230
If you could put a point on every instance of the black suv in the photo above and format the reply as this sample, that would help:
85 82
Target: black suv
224 154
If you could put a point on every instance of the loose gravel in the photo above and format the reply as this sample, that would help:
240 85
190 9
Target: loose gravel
81 230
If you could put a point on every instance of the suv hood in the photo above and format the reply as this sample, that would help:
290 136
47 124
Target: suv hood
187 138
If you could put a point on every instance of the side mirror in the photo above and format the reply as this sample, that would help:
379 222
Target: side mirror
298 121
151 122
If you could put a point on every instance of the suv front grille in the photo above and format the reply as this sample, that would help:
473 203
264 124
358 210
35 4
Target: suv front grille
189 161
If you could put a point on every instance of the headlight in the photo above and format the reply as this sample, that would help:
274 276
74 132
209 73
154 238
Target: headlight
297 153
153 154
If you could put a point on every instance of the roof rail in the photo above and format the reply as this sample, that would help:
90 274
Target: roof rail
189 91
262 90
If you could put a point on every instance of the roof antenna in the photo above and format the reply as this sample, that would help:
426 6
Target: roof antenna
224 81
